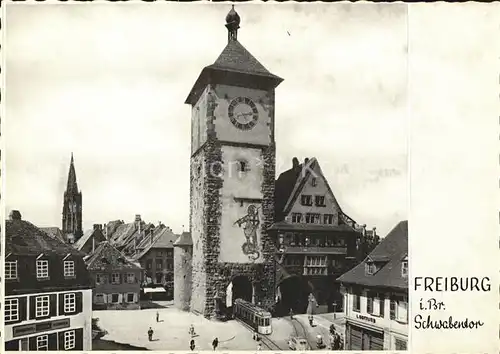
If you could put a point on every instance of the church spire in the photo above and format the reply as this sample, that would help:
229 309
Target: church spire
72 186
72 207
232 24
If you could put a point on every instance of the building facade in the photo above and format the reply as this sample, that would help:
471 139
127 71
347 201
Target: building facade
376 296
48 292
116 280
155 254
314 242
72 207
232 178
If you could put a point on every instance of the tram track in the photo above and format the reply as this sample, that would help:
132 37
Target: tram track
303 333
268 342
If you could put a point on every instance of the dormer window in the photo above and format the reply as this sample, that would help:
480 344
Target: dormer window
42 269
370 268
10 270
404 268
313 182
69 269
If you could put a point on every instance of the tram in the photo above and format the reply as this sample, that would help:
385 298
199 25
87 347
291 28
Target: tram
257 318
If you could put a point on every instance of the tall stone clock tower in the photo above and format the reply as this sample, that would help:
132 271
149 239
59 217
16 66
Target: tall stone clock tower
232 179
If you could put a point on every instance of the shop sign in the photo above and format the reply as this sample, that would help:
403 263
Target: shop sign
365 318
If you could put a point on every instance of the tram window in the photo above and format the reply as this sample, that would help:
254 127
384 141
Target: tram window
267 322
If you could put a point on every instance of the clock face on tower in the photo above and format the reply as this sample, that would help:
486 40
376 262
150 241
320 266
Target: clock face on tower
243 113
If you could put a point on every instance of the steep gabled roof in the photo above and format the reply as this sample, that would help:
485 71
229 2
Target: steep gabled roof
389 252
290 183
106 256
54 232
86 236
311 165
24 238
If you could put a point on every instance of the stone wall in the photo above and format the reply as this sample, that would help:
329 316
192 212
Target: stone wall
210 278
182 276
197 221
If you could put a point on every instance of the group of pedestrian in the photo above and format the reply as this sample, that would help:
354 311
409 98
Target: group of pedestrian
335 339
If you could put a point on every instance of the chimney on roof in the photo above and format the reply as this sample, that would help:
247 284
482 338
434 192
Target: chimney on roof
137 217
15 215
364 229
151 235
374 232
105 231
97 226
306 160
295 163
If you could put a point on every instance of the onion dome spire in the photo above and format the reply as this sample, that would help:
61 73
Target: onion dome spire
232 24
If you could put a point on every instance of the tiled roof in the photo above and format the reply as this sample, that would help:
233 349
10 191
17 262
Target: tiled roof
122 232
86 236
112 226
287 226
54 232
184 239
146 238
235 57
165 239
24 238
392 249
283 189
107 256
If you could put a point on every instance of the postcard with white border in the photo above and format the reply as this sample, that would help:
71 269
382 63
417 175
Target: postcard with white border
251 176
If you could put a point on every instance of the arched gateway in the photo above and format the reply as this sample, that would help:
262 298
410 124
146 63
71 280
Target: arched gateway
292 293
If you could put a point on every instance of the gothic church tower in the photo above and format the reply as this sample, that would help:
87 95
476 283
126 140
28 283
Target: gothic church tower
232 179
72 207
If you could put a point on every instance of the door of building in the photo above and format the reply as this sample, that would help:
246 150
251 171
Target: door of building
365 339
355 338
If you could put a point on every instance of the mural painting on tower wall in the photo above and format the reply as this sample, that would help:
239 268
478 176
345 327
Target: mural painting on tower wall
250 224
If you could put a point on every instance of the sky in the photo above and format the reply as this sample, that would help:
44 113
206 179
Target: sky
107 81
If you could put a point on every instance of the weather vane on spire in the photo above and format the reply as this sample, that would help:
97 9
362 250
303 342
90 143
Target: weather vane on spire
232 24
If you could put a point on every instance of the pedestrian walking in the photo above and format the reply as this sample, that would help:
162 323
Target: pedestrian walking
192 345
215 343
254 337
191 330
150 334
259 346
336 341
291 314
311 320
157 317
